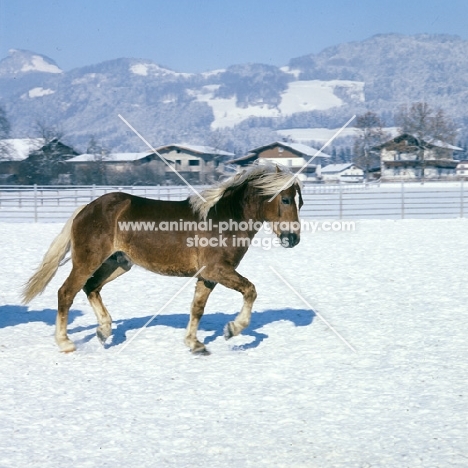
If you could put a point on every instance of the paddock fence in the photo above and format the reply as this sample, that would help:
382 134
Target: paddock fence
342 201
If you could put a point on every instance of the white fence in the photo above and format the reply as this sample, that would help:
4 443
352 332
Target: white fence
344 201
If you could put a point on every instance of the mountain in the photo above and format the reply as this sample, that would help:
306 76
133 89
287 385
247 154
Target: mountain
396 67
239 107
22 61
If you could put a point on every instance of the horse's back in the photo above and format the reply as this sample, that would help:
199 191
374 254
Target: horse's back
136 226
125 206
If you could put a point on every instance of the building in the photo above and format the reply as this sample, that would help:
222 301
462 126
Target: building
46 164
114 169
462 169
197 164
407 158
14 151
292 155
347 172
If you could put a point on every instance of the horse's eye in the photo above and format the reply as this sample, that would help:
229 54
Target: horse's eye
286 201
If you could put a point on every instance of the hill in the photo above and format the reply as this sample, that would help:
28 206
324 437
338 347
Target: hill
238 107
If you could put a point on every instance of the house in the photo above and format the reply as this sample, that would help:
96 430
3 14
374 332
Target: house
462 169
292 155
45 165
405 158
13 151
197 164
347 172
114 169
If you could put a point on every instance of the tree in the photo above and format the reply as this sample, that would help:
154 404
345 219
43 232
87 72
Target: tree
369 134
5 128
44 165
100 156
47 132
427 126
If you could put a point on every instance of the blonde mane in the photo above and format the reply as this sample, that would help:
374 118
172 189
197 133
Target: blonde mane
268 178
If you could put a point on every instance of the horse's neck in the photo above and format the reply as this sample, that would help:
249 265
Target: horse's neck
239 208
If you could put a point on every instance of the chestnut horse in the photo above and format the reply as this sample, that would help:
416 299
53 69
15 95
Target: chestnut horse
117 230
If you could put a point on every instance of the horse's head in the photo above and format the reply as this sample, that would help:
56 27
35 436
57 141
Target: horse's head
283 213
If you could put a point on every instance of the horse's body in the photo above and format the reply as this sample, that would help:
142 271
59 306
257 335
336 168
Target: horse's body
104 245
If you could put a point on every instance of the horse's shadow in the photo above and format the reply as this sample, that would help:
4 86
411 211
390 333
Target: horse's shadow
12 315
215 323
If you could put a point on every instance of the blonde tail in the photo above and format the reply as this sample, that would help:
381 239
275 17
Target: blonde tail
51 261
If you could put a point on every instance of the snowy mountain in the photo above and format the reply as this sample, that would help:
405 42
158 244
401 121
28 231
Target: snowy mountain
238 107
23 61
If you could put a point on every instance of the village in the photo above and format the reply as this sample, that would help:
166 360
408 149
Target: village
401 158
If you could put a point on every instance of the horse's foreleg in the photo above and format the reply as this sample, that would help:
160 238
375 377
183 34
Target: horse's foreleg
242 320
231 279
202 291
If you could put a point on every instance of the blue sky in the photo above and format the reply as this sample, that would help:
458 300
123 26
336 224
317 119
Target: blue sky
202 35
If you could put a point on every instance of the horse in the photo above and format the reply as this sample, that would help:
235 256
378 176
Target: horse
117 230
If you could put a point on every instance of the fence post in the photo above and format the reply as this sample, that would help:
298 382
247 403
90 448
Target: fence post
402 199
462 199
341 200
35 203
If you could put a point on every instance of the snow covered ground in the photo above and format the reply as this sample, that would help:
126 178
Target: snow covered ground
287 393
300 96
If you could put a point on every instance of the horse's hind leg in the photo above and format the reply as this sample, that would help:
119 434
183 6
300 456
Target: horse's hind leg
202 291
115 266
66 294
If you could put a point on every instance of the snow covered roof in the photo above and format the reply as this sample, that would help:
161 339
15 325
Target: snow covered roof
430 141
200 149
334 168
296 147
442 144
113 157
305 149
20 148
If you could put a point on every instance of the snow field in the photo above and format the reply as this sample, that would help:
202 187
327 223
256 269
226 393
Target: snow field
287 393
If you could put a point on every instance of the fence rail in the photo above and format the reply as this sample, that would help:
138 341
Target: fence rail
343 201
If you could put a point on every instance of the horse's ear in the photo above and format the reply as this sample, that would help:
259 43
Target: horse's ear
277 169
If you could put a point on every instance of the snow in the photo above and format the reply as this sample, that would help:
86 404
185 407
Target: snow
301 96
323 134
296 72
287 393
201 149
213 72
304 149
117 157
305 96
145 69
38 64
20 148
123 157
39 92
315 134
335 168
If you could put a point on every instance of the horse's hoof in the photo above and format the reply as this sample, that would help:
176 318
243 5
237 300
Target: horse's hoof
102 336
200 352
67 346
228 331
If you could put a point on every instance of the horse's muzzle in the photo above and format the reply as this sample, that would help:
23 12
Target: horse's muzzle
289 239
